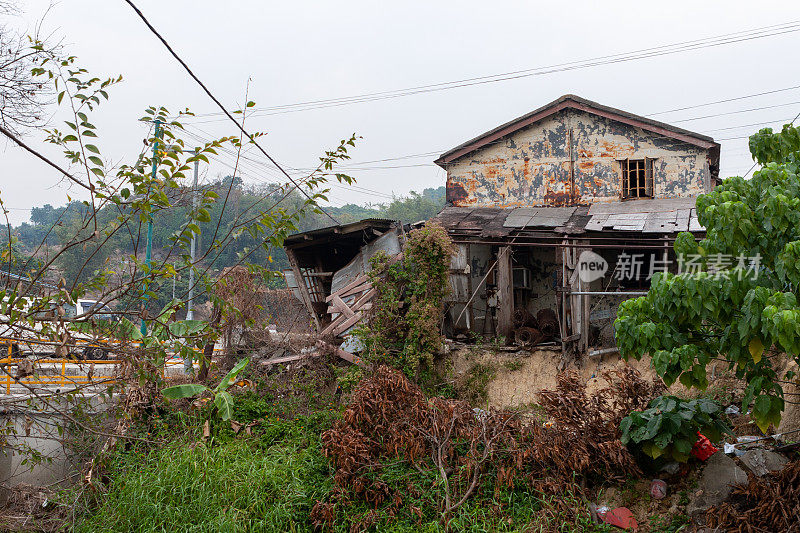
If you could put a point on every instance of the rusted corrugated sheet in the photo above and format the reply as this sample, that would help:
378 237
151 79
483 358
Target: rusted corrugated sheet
642 216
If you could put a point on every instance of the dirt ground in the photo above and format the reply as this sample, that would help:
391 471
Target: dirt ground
518 376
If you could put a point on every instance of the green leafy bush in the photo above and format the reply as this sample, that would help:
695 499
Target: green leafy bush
737 296
669 426
222 398
404 330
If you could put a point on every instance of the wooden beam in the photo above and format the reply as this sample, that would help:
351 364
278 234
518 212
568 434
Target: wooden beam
363 278
505 293
302 287
342 307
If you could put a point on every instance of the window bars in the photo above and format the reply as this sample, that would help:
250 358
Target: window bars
637 178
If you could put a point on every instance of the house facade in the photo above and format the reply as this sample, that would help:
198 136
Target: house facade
527 199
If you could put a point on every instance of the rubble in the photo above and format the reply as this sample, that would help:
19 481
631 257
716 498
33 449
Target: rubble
767 503
719 477
761 462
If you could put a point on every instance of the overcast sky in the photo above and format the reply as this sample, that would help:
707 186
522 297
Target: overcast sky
306 51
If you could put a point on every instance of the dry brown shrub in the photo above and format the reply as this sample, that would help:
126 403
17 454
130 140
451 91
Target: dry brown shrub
769 503
581 438
389 419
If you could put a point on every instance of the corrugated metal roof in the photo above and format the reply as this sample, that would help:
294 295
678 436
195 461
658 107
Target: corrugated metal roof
662 216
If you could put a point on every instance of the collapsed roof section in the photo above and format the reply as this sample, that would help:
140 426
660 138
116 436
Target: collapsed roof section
329 267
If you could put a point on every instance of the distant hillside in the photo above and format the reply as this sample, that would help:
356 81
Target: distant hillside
56 225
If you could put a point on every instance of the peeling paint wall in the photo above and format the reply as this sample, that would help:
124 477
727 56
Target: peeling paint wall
535 166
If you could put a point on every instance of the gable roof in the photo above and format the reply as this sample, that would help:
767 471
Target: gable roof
570 101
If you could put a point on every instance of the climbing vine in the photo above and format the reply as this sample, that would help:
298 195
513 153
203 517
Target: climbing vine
404 329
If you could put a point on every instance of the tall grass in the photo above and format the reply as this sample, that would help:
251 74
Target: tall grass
229 487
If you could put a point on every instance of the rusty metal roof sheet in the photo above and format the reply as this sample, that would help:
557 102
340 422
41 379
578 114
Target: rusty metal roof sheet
538 217
660 216
576 102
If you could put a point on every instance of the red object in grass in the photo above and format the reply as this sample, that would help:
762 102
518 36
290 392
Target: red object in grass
621 517
703 449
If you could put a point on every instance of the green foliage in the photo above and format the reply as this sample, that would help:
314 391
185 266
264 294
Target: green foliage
749 315
232 487
222 398
404 330
670 425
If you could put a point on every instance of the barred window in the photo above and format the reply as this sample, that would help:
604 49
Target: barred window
637 178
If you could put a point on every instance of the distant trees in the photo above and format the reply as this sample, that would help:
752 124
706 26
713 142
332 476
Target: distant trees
57 225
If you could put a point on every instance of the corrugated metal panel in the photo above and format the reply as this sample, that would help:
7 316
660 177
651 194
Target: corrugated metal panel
658 205
541 217
388 243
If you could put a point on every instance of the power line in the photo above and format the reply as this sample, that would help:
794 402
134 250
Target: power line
256 166
736 112
724 101
222 107
757 33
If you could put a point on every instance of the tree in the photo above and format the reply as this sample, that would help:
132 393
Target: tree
22 95
739 301
413 208
116 203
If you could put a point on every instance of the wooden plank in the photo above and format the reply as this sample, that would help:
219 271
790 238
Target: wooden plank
302 287
347 356
339 304
347 324
287 359
364 300
355 283
364 307
505 292
332 326
356 290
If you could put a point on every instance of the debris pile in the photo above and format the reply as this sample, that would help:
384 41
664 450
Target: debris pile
767 503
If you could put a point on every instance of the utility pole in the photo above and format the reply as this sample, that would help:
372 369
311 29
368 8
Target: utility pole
149 249
193 246
187 362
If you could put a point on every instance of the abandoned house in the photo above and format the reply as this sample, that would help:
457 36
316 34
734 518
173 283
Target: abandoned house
557 217
528 200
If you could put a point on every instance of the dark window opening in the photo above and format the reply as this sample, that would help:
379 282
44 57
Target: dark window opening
637 178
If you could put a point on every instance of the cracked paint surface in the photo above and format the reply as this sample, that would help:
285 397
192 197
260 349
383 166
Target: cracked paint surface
535 166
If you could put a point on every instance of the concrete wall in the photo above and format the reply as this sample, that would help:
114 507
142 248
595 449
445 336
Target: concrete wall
532 166
39 427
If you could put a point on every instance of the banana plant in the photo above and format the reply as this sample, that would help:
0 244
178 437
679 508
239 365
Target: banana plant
222 398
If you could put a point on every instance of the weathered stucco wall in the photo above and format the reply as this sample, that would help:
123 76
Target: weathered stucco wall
535 165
